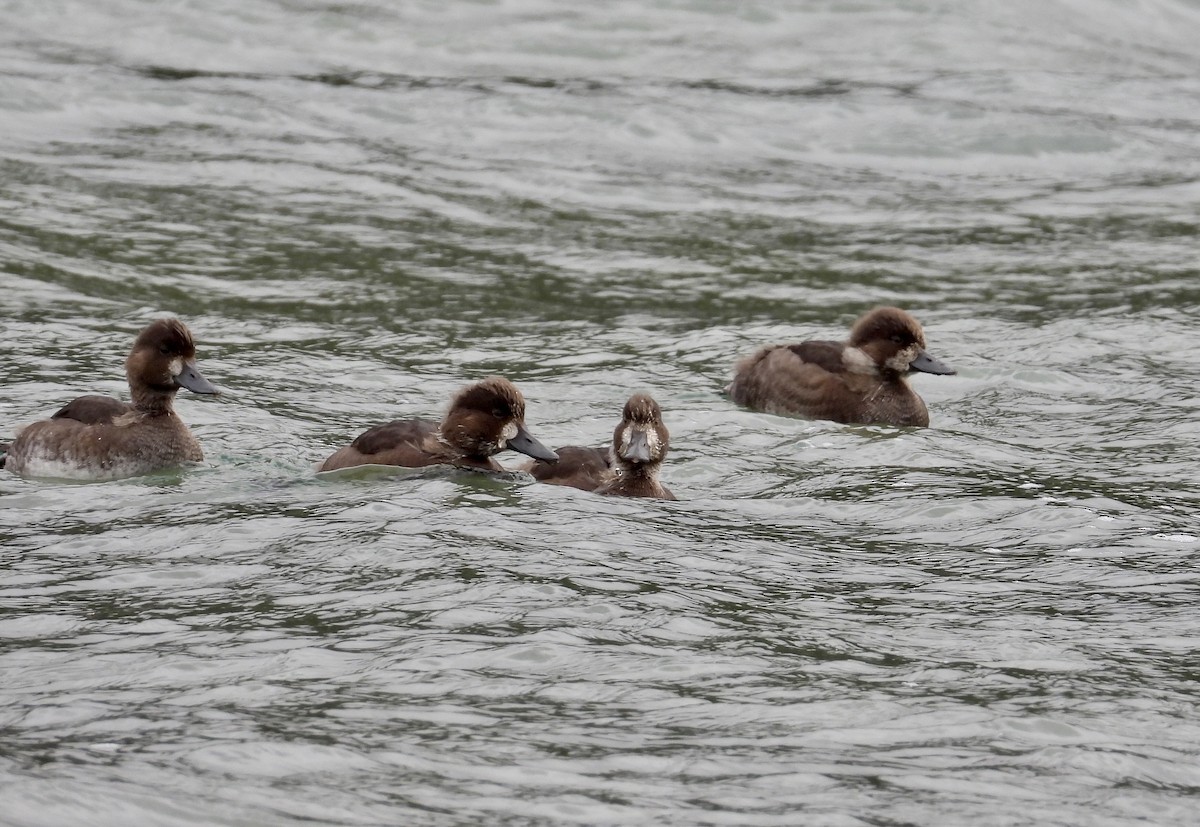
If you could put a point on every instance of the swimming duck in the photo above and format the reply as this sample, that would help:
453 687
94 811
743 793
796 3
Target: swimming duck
102 438
629 468
861 380
483 420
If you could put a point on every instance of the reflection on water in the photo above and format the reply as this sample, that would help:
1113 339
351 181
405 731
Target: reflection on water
359 208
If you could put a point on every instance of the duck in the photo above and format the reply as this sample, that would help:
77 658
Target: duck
99 438
628 468
483 419
862 380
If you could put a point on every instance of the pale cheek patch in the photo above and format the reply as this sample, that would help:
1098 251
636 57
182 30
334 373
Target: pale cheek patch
626 436
510 431
653 443
903 359
176 366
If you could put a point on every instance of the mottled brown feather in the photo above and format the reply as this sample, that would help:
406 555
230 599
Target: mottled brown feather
93 410
387 437
409 443
823 354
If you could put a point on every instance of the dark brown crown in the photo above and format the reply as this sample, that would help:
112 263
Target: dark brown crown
169 337
887 324
642 409
495 396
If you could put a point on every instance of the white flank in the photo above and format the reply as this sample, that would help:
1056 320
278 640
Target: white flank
57 468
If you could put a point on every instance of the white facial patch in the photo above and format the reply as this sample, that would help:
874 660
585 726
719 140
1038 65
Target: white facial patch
509 431
901 361
626 437
653 443
176 366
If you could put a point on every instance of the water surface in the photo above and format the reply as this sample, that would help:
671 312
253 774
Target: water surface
358 208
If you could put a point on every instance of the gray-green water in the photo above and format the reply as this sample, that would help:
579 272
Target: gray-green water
360 207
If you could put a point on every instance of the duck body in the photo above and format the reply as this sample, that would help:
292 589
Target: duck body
578 467
102 438
409 443
483 419
862 380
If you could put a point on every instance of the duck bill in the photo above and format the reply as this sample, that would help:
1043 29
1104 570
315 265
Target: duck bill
928 364
192 379
530 447
636 447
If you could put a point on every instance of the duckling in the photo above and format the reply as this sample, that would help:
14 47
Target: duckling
861 380
102 438
629 468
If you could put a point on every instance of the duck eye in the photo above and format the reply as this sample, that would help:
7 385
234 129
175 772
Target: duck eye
165 350
500 412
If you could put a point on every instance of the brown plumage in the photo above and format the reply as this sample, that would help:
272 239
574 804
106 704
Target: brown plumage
629 468
484 419
861 380
100 438
577 466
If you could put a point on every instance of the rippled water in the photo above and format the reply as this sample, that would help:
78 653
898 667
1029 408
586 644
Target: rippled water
360 207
